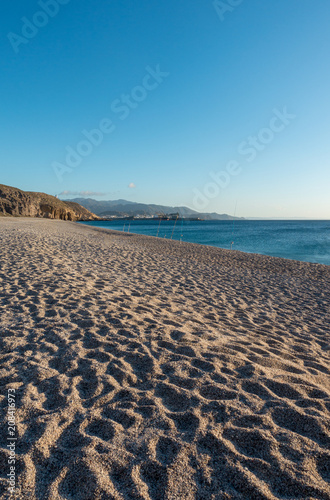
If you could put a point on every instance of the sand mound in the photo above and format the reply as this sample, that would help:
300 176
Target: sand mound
146 369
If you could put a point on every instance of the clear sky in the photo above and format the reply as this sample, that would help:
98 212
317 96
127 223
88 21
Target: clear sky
191 103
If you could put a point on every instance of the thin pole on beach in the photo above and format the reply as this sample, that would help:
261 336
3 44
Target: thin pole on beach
160 220
124 227
181 235
128 227
232 233
174 225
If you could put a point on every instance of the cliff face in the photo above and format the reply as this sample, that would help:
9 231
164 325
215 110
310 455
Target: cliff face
19 203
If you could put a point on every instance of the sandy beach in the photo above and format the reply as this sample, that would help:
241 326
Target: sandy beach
152 370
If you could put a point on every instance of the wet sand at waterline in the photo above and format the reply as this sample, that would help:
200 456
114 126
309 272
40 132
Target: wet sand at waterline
149 369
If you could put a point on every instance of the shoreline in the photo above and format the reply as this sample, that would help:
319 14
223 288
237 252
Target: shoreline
208 246
154 369
214 246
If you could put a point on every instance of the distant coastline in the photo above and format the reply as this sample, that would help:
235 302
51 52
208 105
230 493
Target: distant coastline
124 208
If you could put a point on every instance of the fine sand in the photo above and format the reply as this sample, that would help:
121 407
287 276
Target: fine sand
150 369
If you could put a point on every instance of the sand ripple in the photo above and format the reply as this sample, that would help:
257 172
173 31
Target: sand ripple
150 370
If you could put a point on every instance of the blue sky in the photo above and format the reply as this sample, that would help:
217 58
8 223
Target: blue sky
173 92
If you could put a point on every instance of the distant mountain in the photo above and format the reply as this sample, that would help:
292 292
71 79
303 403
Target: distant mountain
18 203
123 208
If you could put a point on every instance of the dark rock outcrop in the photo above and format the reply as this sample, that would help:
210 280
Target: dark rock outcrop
18 203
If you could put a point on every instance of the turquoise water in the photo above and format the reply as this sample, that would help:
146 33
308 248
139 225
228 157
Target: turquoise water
307 241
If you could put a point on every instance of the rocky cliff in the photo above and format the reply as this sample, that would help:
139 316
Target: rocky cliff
15 202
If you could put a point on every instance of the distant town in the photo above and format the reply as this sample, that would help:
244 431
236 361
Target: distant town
174 216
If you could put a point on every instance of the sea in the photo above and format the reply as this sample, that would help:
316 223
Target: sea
304 240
